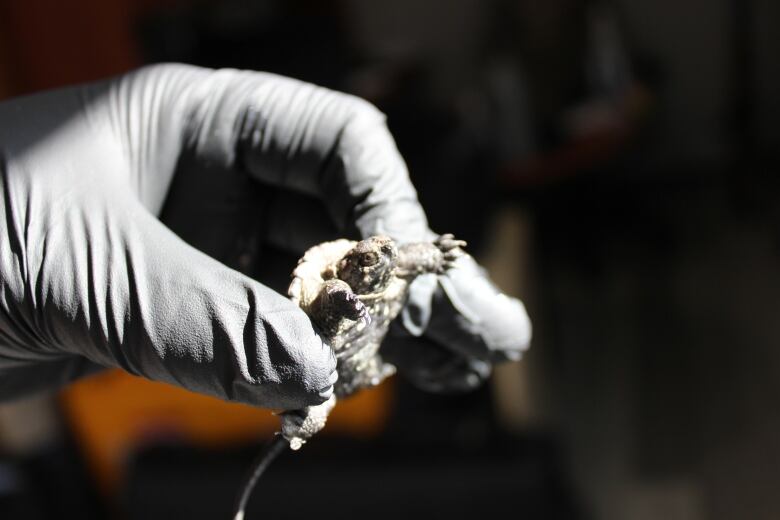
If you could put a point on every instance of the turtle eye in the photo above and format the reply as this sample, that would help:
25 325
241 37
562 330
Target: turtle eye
368 259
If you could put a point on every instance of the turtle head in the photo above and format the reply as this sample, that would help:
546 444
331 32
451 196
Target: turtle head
368 267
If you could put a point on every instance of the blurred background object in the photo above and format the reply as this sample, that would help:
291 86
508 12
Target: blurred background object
613 163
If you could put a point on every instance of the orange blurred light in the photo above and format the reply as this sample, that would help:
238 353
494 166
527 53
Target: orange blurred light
113 414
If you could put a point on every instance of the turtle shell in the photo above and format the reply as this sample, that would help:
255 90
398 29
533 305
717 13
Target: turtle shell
357 343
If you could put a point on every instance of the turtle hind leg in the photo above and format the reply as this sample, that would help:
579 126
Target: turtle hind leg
335 303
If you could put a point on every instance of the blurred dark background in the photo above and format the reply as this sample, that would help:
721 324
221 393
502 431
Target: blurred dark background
613 163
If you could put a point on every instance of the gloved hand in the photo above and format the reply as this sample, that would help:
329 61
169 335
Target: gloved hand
91 276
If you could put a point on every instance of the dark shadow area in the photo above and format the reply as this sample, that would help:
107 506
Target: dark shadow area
635 145
381 479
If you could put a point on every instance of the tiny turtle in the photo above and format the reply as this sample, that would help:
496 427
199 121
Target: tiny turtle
352 291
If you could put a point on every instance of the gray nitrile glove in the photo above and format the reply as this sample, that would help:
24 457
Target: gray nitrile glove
90 276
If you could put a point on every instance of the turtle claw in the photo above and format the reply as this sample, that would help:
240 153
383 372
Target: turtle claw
450 248
448 243
355 309
364 317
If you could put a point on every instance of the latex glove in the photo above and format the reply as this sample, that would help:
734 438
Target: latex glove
89 274
454 328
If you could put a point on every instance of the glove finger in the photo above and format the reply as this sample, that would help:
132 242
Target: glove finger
125 291
282 132
468 314
432 367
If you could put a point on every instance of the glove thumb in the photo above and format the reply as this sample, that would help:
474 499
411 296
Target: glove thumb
123 290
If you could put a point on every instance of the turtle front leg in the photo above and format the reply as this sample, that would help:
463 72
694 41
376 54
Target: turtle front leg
334 304
451 249
429 257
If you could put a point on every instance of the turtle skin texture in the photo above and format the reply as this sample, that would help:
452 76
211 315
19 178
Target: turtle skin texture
352 291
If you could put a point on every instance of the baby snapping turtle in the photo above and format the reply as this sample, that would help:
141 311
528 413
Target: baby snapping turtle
352 291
